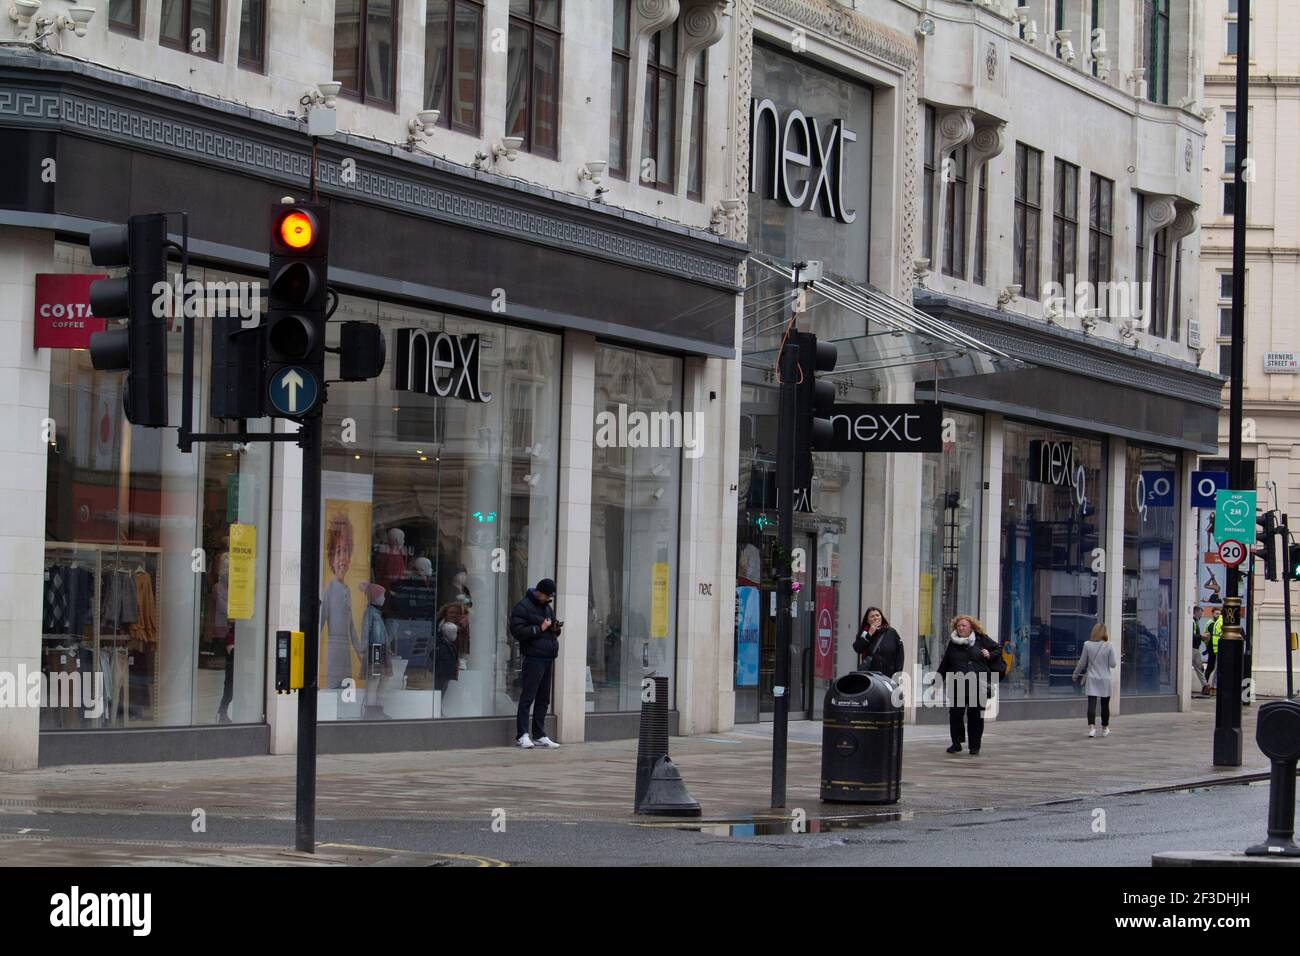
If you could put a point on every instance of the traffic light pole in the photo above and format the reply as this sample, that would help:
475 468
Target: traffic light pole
1227 707
1287 571
786 443
309 622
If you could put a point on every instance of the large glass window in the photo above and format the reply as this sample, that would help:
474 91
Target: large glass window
252 34
453 41
620 69
951 502
928 184
695 174
635 501
155 561
1065 226
954 216
193 26
1101 238
1157 49
1053 508
1151 563
438 513
659 122
1028 211
533 75
365 49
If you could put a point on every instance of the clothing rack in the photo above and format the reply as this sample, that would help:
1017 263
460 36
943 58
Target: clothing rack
115 556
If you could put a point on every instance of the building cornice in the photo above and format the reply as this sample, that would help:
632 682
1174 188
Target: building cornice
83 99
1053 347
850 28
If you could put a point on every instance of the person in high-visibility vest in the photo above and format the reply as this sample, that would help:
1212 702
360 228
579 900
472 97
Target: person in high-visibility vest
1216 630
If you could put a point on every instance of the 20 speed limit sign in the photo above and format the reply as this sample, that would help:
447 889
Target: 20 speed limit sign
1232 553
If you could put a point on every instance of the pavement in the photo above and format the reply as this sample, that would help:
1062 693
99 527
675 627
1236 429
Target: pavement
1022 764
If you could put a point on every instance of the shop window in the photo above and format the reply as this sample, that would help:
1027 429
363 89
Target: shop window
124 16
1152 562
252 34
659 121
951 506
154 573
1101 239
365 50
193 26
533 75
1028 212
453 62
620 71
635 510
1053 521
436 519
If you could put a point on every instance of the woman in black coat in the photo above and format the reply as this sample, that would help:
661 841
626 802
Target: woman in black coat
878 645
971 656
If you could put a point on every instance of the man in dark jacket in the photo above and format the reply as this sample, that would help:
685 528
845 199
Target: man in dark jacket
533 625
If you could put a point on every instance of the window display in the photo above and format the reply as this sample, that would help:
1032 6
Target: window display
1151 517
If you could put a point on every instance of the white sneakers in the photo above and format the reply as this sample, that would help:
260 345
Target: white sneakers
1092 731
1105 731
547 742
526 742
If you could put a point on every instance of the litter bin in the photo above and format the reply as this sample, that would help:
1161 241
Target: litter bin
862 740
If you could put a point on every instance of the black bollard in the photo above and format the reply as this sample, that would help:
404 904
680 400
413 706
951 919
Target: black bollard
1277 732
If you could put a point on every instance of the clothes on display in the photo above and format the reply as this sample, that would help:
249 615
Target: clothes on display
69 599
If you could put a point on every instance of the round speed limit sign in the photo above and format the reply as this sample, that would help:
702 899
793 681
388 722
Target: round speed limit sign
1232 553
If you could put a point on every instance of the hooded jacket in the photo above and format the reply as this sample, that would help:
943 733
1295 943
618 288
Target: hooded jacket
525 627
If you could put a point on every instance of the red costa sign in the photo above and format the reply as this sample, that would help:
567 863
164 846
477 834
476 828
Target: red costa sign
63 316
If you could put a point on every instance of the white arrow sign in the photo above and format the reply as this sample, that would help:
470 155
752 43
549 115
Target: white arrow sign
291 382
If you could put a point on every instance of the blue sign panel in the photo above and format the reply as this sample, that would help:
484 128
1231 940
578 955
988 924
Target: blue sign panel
1204 486
293 391
1158 489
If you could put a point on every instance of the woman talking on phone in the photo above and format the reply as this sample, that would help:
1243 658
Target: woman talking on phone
878 645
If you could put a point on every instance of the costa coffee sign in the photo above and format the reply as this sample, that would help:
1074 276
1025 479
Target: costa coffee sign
804 166
63 316
439 364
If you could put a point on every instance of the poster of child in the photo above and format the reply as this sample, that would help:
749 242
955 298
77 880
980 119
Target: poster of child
346 520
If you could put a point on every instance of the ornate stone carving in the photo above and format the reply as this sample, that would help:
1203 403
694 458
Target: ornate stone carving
991 61
703 22
849 27
653 14
743 64
955 128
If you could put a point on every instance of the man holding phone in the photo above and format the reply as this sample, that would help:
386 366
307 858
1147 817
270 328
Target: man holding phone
533 625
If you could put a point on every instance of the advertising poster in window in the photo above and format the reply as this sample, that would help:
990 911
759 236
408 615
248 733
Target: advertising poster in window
824 634
345 558
659 599
240 590
747 625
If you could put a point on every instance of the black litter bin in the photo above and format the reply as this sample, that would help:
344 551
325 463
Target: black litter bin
862 740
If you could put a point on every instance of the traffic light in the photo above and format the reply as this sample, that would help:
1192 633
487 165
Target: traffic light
140 349
1264 543
816 398
1293 562
293 339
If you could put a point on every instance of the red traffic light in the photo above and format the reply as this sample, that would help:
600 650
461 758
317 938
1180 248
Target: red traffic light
297 230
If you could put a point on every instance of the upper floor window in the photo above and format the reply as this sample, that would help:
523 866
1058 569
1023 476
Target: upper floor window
659 133
695 173
1101 237
982 226
927 200
1224 331
1065 225
533 75
124 16
453 62
954 214
252 34
1097 39
193 25
620 70
1156 34
365 49
1029 200
1229 174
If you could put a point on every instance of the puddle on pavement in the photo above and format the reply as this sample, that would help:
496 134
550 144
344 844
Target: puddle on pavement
786 826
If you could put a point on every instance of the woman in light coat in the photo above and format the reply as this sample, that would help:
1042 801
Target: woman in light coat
1097 659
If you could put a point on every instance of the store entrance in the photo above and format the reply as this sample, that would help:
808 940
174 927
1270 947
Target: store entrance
802 602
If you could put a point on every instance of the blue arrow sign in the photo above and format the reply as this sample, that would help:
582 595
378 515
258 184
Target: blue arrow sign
293 391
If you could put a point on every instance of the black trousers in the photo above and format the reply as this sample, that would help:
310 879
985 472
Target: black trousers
964 721
535 696
1092 710
1212 658
228 691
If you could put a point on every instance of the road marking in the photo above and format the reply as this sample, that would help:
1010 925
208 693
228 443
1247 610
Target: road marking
480 860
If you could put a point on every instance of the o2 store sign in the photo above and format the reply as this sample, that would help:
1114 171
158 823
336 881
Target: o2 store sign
442 364
805 169
1053 463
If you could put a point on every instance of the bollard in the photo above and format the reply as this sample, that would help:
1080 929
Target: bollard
660 790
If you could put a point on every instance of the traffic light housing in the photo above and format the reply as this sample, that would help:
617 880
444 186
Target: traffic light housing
1293 562
293 329
140 349
1264 540
816 399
